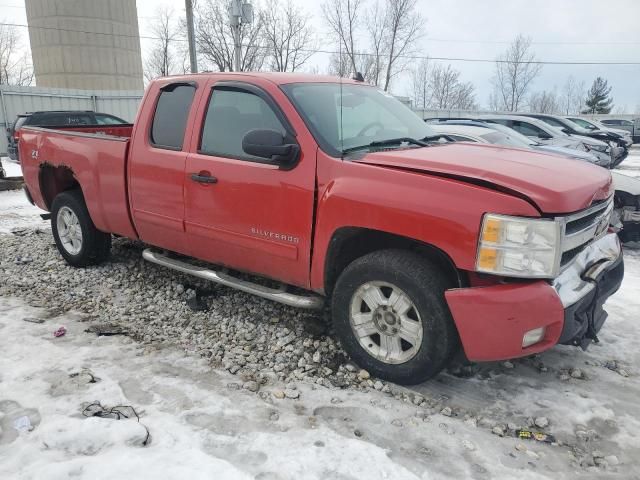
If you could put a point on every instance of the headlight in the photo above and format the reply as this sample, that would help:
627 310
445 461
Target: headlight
599 148
519 247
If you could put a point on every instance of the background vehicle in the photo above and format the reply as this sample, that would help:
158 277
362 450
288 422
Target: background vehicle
619 150
498 134
594 125
57 119
337 189
548 135
627 125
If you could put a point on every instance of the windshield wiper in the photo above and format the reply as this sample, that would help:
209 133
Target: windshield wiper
384 143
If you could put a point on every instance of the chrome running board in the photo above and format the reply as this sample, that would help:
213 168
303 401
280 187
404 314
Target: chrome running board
310 301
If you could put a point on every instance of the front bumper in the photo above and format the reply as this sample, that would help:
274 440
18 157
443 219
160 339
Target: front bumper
493 320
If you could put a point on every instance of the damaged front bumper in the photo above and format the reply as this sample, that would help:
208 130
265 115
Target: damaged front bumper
494 321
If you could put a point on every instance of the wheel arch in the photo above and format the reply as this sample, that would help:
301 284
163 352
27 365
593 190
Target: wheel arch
350 243
54 180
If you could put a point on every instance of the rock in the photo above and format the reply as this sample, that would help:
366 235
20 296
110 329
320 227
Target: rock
357 433
279 394
396 422
378 385
350 367
564 377
498 430
576 373
612 460
293 394
316 357
622 372
508 364
446 411
541 422
533 454
251 386
363 375
468 445
521 447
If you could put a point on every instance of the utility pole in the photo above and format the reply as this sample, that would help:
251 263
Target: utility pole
193 60
240 13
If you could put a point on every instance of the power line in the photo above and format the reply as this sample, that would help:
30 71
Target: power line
335 52
508 42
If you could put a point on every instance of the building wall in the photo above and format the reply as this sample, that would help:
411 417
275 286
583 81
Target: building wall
85 44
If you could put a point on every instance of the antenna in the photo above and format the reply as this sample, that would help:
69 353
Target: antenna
341 130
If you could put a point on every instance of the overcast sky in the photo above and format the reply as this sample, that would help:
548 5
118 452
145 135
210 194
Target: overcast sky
562 30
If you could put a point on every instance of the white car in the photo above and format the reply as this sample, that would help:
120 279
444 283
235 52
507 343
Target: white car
497 134
546 134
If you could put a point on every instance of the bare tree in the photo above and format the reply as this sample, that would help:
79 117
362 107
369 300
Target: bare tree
515 72
544 102
403 26
447 91
167 56
573 95
421 95
15 65
376 26
288 34
343 18
215 39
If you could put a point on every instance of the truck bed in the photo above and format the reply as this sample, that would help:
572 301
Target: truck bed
93 156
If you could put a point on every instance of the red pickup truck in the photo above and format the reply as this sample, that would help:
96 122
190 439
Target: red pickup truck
338 191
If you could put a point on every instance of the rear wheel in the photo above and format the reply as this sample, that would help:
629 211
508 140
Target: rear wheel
391 316
77 238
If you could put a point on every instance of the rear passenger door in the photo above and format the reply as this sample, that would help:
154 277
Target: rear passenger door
250 214
157 165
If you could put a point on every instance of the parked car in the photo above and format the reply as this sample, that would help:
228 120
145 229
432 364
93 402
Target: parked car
338 191
626 213
497 134
627 125
594 125
619 149
58 119
546 134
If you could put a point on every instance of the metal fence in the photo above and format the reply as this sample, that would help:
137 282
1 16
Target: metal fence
16 100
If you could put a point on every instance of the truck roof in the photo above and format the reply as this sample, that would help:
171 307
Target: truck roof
279 78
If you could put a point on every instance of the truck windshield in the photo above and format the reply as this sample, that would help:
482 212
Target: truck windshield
345 117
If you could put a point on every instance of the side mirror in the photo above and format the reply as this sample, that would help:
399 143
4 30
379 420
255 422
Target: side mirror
270 144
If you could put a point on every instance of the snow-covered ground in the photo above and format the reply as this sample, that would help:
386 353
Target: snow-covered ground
203 424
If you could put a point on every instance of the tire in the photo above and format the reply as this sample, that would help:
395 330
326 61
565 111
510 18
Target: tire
398 275
93 247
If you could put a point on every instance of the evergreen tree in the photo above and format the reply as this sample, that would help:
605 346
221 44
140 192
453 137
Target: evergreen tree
598 100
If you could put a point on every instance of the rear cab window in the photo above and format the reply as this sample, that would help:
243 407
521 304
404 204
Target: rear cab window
171 114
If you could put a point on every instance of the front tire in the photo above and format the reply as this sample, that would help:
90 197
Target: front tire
77 238
391 317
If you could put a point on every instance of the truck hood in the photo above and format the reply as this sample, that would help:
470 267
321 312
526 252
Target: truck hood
553 184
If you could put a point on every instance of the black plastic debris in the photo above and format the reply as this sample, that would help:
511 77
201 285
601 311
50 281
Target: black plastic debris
106 330
117 412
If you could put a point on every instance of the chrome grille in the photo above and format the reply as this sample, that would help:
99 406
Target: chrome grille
581 228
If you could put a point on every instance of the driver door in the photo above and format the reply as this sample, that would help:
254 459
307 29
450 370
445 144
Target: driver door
244 211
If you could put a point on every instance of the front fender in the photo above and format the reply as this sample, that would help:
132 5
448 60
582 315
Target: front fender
441 212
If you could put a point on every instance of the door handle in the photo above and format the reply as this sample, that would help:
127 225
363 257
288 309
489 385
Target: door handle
197 177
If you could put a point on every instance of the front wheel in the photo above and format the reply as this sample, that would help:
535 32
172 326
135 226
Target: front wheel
77 238
391 316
